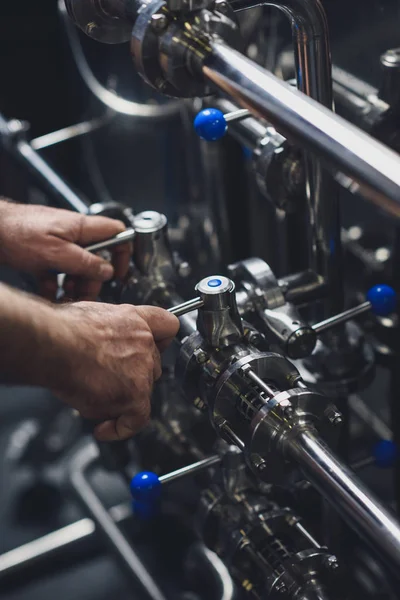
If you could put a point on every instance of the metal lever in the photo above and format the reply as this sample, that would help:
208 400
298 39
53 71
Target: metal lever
211 124
381 300
186 307
121 238
146 486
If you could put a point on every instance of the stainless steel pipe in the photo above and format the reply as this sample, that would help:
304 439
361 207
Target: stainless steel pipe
303 121
319 228
349 497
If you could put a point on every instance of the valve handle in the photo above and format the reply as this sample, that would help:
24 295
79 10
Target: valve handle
211 124
381 300
146 486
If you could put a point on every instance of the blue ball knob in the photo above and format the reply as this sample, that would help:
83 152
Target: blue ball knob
210 124
146 493
385 453
383 300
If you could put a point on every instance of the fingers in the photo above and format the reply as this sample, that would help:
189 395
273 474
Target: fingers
83 290
74 260
121 257
163 325
97 229
48 286
123 428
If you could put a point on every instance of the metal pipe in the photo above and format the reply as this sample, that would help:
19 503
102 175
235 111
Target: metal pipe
321 226
83 460
305 122
12 140
44 548
348 496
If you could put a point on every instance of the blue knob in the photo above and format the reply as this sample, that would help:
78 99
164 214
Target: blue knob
383 300
385 453
146 493
210 124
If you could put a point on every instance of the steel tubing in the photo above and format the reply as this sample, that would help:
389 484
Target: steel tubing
304 121
357 505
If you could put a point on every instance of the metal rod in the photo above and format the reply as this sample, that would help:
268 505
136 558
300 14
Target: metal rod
190 469
237 115
358 507
68 133
318 225
186 307
304 121
84 459
123 237
258 381
342 317
45 547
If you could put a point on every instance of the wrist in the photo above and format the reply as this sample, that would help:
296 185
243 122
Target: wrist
34 341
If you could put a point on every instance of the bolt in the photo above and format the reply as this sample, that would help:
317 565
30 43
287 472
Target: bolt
333 415
159 22
184 269
90 27
200 404
200 356
280 587
288 412
332 562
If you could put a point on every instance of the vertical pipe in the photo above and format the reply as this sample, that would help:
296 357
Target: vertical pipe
321 225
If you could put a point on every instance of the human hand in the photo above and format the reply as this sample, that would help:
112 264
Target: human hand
110 359
39 239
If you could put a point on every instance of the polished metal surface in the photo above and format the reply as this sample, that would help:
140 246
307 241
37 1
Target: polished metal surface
303 121
186 307
342 317
218 321
80 464
348 495
121 238
190 469
12 137
69 133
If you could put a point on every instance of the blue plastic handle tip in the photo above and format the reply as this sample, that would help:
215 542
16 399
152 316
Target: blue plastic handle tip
383 300
385 453
146 492
210 124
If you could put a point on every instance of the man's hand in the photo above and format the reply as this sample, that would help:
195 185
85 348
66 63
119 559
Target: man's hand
112 360
101 359
38 240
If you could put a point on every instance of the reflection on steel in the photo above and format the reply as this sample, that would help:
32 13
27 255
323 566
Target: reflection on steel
68 133
105 96
188 470
123 237
305 122
46 547
355 503
82 461
343 317
186 307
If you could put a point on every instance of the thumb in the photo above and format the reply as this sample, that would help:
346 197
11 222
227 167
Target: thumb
163 324
77 261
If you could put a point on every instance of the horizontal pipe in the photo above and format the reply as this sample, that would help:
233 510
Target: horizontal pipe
305 122
349 497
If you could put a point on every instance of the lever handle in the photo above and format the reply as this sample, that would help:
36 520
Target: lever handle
381 300
211 124
146 486
123 237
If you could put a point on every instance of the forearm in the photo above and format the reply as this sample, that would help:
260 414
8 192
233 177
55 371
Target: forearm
30 335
